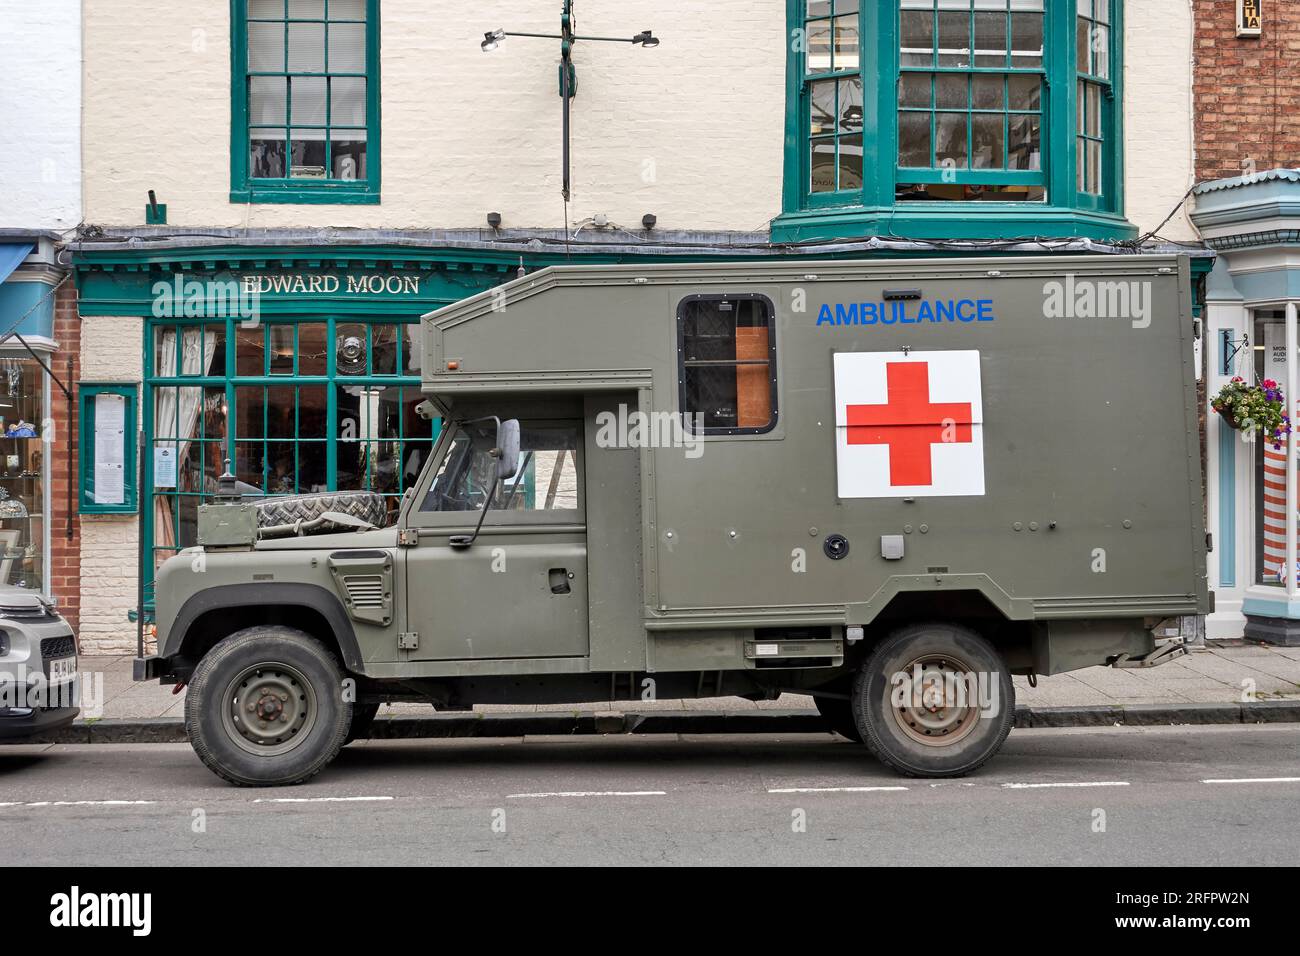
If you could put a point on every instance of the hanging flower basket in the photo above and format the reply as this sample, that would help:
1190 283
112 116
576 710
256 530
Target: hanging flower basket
1254 409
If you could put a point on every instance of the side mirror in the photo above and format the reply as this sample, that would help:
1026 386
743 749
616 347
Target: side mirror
507 450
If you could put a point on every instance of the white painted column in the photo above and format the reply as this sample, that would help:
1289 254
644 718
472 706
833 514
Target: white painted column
1291 502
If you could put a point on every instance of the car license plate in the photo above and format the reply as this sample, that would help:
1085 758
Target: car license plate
63 670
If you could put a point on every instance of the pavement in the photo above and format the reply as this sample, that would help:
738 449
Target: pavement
1153 796
1219 673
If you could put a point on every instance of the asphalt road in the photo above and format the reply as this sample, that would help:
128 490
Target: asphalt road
802 799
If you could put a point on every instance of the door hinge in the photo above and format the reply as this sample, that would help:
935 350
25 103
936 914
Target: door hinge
408 538
408 641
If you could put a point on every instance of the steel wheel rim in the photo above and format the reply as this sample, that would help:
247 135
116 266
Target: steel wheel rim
269 709
928 704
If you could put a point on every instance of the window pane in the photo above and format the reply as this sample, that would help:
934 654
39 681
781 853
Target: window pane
308 100
950 140
348 148
214 345
347 9
914 140
1024 151
954 39
914 90
1025 92
281 468
850 162
819 47
1094 167
917 38
1101 51
1081 161
1027 40
250 350
213 423
313 354
1082 46
307 47
281 347
819 8
266 9
266 153
726 376
990 39
986 129
250 411
309 9
850 106
265 47
280 411
308 154
950 91
384 349
846 42
348 101
987 92
822 100
311 411
348 48
350 349
1093 102
1101 11
267 100
250 457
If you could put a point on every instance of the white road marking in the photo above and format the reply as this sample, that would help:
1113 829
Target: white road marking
590 793
82 803
1255 780
318 799
1086 783
834 789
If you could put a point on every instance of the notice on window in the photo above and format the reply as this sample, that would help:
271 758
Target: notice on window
164 466
110 449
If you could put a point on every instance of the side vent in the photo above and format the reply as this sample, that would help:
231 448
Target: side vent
364 581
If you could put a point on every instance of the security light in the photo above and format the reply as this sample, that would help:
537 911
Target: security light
494 220
492 39
646 39
649 220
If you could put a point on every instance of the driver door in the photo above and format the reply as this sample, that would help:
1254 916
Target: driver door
520 590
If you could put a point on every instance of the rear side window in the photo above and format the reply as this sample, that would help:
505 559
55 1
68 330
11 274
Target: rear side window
726 349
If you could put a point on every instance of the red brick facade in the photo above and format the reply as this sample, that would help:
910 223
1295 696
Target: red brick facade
65 552
1247 90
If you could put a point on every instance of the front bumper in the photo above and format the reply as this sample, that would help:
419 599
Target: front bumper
18 723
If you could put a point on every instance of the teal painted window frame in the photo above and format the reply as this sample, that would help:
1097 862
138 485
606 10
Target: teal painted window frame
874 210
244 189
86 394
232 382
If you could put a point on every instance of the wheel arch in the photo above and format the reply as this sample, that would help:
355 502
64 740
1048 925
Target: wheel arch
208 616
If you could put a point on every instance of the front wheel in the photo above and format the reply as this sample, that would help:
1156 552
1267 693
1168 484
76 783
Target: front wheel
934 700
265 708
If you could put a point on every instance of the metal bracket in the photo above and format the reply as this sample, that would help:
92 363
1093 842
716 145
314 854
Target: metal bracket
408 641
1164 652
408 538
1228 349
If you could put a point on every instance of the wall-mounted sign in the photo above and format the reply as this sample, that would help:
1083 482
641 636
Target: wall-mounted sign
1249 18
107 441
308 284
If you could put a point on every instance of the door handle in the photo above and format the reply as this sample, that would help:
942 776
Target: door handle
559 580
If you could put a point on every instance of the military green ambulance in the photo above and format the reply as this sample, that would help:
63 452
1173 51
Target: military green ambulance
890 485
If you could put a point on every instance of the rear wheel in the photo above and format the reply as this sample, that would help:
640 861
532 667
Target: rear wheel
838 713
934 700
265 707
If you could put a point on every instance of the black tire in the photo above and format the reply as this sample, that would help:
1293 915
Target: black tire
316 716
897 734
363 719
838 713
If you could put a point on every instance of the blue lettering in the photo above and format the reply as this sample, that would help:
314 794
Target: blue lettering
891 317
846 315
986 310
869 309
925 313
966 310
824 316
942 310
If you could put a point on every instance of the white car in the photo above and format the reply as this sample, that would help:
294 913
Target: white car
38 665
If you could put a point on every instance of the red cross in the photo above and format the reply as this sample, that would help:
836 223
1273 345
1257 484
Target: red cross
909 424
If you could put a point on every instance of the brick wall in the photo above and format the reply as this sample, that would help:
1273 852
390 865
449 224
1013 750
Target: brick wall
64 572
1247 90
